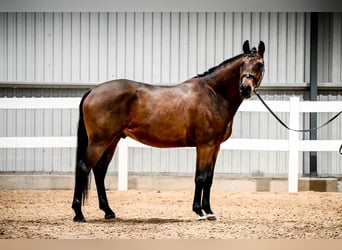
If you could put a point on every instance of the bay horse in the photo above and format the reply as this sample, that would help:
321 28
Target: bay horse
197 113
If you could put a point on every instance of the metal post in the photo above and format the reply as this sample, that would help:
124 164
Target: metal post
313 87
293 145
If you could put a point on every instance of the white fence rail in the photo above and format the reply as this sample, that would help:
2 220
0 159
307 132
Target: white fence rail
293 145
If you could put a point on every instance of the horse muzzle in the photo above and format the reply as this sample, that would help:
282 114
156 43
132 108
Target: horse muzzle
246 90
247 83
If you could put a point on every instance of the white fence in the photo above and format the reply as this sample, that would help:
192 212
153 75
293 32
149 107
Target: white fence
293 145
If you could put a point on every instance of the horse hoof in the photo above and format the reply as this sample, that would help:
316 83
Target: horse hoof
79 219
109 216
211 217
201 217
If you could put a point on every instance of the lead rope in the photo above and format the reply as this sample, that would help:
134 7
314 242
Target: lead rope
298 130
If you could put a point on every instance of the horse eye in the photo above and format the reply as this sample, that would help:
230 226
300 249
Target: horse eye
242 66
260 66
262 69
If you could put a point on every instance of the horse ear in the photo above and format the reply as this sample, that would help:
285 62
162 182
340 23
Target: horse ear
245 47
261 48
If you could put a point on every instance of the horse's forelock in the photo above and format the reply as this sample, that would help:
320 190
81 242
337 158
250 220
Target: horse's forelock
253 51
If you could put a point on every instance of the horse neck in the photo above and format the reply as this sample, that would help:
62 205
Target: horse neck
226 82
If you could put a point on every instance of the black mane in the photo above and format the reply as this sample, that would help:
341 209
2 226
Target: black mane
211 70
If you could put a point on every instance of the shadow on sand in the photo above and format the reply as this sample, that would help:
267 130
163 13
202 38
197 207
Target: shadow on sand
140 221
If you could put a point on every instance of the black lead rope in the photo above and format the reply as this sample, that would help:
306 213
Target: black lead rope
298 130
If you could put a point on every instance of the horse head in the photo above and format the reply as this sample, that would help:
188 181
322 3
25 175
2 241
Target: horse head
251 68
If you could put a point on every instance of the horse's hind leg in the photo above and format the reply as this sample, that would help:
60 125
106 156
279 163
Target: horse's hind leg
81 183
92 155
100 171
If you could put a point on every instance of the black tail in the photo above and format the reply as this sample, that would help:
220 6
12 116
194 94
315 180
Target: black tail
82 172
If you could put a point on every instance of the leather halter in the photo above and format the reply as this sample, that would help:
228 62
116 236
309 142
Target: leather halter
250 75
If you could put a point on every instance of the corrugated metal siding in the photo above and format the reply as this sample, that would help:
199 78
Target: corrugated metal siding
329 162
37 123
329 72
263 126
157 48
330 48
150 47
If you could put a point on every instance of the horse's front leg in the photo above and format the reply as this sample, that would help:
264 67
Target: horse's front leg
205 163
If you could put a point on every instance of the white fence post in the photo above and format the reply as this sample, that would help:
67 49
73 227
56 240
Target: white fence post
123 165
293 145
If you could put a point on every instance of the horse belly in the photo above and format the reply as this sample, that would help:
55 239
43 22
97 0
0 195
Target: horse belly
159 135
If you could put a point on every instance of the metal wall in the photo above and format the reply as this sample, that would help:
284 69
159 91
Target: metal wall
150 47
330 48
329 75
166 48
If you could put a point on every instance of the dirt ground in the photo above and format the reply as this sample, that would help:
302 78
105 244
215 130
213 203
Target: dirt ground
167 215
